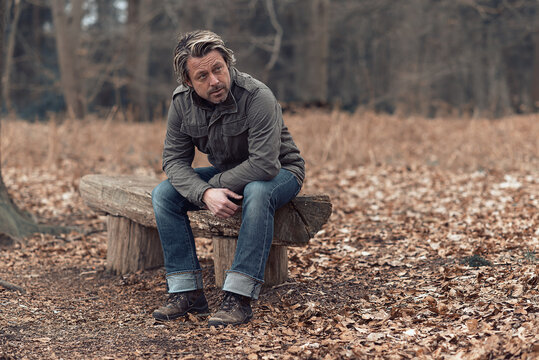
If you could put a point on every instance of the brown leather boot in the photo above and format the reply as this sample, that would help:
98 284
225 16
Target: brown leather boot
235 310
179 304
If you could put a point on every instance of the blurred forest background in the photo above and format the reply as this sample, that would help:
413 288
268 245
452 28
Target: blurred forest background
424 57
400 134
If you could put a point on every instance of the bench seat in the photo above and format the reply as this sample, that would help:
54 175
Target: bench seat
133 241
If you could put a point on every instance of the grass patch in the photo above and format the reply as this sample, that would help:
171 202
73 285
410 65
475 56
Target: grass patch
475 261
530 256
339 139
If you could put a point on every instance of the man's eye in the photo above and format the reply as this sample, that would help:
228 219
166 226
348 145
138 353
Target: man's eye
202 77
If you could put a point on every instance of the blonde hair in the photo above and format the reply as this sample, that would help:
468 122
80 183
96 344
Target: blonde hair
198 44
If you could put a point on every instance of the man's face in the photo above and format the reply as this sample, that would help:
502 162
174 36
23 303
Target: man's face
209 76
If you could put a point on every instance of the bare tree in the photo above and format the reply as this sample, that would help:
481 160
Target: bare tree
140 14
16 5
67 27
105 14
309 33
278 38
535 77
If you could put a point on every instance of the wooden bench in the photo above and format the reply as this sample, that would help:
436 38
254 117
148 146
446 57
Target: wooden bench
133 240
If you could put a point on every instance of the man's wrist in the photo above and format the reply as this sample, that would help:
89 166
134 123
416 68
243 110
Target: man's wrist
203 193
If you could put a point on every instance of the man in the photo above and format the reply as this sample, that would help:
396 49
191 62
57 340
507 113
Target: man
238 123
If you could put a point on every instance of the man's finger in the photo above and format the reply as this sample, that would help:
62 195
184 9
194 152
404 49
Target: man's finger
229 208
232 194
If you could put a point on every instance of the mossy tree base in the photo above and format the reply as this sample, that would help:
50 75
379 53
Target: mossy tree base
16 224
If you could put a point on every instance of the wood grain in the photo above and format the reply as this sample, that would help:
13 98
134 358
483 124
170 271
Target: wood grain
131 246
276 271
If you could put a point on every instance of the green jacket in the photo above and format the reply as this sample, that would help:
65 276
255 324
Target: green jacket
244 137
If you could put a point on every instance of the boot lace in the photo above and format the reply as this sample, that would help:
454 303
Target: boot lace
229 302
176 298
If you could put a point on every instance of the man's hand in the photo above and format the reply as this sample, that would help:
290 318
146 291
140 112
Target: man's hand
218 202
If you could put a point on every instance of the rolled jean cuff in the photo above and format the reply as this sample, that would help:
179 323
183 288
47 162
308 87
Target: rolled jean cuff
184 281
242 284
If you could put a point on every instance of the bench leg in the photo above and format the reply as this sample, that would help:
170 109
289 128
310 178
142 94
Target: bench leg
223 255
131 246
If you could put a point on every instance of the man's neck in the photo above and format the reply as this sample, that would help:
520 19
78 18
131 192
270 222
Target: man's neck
203 103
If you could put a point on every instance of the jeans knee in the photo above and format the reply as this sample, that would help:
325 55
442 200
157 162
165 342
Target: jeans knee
256 188
158 194
165 196
257 192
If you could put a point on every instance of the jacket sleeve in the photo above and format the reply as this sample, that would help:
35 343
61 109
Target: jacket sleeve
178 155
264 141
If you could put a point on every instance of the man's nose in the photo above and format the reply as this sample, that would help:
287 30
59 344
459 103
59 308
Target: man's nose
213 79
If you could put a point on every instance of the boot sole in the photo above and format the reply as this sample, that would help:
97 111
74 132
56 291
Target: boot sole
222 323
199 313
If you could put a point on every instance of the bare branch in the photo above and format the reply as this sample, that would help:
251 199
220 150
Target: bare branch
12 287
278 35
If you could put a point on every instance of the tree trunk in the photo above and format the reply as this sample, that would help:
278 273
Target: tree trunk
138 57
320 50
9 55
3 20
67 33
310 31
535 77
105 14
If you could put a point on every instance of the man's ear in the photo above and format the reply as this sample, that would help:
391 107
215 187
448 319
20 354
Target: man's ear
188 83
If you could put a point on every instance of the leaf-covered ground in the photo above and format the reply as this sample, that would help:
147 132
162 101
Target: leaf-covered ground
417 261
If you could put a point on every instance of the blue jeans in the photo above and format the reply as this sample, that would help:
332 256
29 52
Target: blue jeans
260 201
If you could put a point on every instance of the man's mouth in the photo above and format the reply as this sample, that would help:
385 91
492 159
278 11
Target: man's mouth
216 91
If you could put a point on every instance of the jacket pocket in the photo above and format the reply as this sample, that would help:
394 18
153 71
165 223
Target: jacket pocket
199 134
235 138
194 131
236 127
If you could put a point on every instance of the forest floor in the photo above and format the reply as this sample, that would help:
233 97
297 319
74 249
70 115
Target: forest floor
432 250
